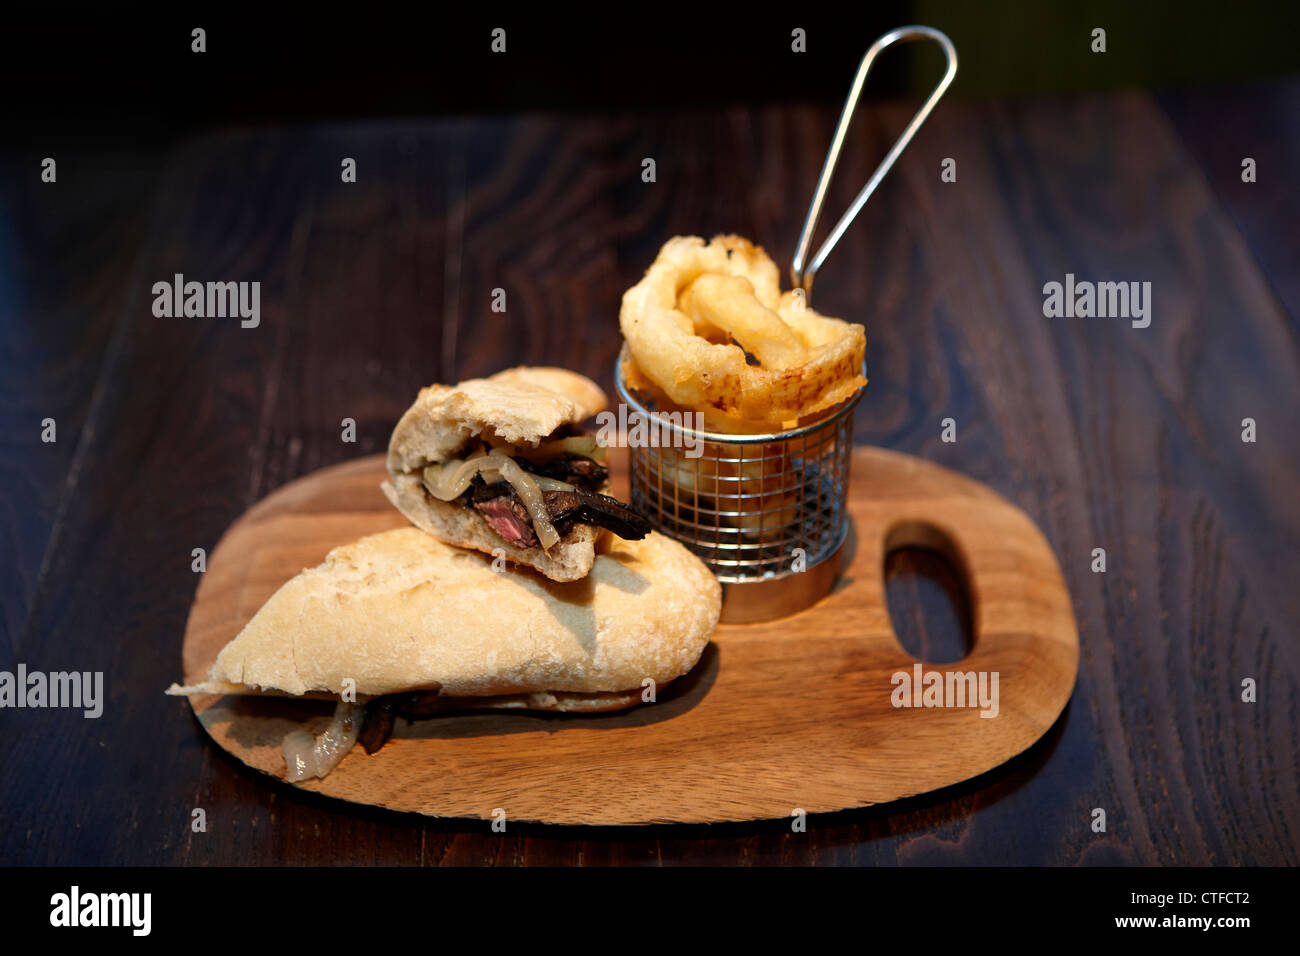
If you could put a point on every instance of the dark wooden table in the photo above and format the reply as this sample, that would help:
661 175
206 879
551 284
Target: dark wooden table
1109 436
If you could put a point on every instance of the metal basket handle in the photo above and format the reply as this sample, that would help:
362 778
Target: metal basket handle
802 274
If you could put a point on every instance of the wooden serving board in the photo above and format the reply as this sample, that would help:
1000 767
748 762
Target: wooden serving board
785 715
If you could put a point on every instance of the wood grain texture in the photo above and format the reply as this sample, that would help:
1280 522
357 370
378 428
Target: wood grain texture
795 713
65 262
1220 129
1107 436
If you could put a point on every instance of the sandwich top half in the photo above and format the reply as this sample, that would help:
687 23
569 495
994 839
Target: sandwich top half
500 465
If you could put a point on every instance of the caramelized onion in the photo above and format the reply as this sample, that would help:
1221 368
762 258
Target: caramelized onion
552 484
448 480
307 756
530 494
584 445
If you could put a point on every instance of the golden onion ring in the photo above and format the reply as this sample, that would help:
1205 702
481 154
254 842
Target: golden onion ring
666 342
728 303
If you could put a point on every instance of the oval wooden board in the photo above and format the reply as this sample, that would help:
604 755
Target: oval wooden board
794 713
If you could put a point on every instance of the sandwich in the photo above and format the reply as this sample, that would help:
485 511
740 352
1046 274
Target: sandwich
500 465
399 626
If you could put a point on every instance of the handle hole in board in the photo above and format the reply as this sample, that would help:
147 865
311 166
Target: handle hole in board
927 594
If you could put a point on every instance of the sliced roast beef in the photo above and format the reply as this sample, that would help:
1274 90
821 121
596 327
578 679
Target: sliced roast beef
507 516
509 519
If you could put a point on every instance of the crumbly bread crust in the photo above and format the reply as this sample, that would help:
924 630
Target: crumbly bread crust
402 611
569 559
520 405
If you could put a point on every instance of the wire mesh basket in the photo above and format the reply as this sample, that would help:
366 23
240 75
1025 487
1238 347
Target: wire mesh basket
768 512
756 508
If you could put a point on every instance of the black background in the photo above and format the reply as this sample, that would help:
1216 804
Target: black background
128 73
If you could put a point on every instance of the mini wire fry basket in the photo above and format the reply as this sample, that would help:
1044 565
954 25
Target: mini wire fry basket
766 512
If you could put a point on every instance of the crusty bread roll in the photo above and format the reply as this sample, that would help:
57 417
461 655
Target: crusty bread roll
401 611
521 406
